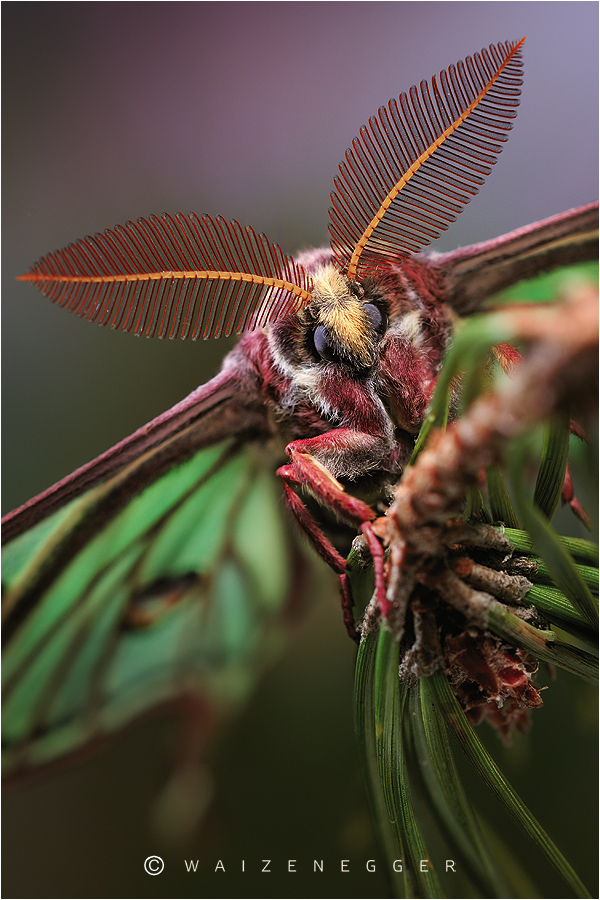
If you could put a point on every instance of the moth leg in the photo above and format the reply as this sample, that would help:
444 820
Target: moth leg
342 449
322 545
347 608
568 497
307 471
376 551
327 552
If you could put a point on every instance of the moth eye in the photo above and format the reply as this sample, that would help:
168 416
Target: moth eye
374 315
323 345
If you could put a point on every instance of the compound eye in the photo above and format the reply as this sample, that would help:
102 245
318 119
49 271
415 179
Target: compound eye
323 345
373 314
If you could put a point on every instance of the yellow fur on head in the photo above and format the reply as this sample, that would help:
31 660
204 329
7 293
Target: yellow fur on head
341 312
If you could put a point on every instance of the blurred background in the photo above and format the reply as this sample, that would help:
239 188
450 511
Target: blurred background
116 110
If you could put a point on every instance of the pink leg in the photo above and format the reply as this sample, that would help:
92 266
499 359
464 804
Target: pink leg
324 547
568 496
327 552
376 551
306 471
347 607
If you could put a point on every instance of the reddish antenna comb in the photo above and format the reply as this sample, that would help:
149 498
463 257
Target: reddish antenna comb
180 276
421 158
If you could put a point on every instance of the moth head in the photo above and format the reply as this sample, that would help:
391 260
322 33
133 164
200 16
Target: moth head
341 325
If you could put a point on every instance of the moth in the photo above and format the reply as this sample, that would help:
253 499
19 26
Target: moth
332 377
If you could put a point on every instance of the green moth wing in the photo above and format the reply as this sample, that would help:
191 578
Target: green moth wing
180 595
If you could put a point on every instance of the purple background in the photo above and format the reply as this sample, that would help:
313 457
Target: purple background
115 110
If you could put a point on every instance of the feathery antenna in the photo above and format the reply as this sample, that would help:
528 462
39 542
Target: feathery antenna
421 158
180 276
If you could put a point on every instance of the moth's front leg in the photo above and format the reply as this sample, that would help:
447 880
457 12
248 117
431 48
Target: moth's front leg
313 463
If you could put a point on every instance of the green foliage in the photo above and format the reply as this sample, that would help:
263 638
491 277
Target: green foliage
416 793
